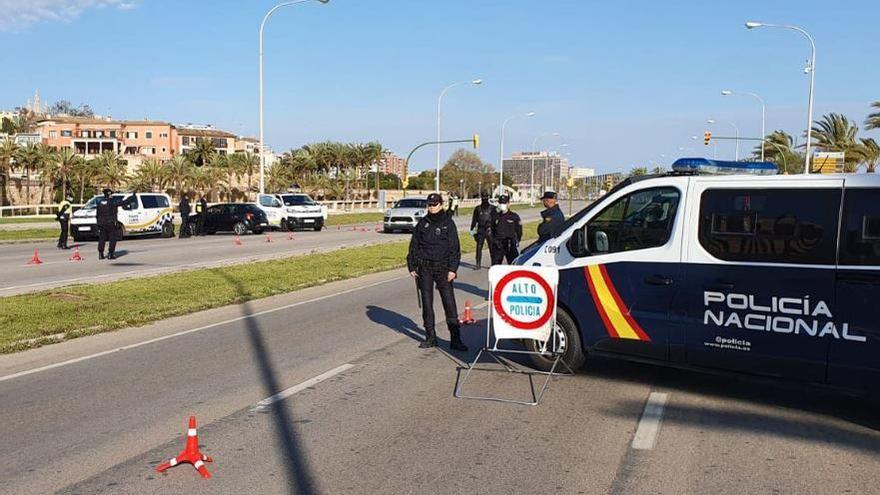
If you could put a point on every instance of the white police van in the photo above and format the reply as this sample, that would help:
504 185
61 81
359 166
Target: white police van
289 211
745 272
139 214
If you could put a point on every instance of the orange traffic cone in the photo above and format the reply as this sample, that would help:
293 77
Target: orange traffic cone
468 317
354 228
363 229
237 241
378 227
76 256
338 227
290 236
36 259
268 239
190 454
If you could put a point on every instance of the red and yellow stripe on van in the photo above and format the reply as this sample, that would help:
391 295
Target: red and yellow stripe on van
615 315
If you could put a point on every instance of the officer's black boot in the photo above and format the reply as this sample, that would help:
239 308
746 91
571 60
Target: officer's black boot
455 342
430 339
100 256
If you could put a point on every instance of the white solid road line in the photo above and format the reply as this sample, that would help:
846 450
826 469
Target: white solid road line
649 425
192 330
265 403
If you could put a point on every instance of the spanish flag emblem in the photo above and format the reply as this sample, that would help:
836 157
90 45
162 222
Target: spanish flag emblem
615 315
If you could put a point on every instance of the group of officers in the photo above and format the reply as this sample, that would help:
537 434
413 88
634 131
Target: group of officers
435 253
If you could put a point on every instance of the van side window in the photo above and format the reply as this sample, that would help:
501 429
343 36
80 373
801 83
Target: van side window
131 203
860 229
770 225
149 201
267 201
640 220
163 202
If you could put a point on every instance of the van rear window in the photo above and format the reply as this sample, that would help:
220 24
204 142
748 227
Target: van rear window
860 229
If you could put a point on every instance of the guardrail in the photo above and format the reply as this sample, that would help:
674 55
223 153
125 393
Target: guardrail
31 210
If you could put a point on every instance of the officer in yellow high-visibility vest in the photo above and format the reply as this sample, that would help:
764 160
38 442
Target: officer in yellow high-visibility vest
63 217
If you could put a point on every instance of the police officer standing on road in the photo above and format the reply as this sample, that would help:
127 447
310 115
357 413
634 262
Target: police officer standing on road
63 217
202 212
552 217
184 216
434 255
107 218
506 232
481 227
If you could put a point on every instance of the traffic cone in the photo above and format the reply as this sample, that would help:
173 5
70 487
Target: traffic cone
354 228
36 259
268 239
468 317
338 227
378 227
76 256
290 236
237 241
363 229
190 454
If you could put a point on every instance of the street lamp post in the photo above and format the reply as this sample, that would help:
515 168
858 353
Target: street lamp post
501 158
736 130
461 186
475 82
763 114
262 141
532 179
811 69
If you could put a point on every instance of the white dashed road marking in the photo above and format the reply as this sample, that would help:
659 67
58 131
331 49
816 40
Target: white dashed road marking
649 424
265 403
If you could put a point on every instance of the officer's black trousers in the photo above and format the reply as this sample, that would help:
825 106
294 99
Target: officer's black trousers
107 233
504 248
200 226
480 238
65 231
429 276
184 227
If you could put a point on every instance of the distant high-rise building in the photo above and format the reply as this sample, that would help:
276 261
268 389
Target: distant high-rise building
532 168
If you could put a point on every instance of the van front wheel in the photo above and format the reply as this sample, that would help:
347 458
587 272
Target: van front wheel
568 342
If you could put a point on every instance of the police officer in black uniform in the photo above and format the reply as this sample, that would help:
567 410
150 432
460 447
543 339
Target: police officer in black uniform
184 217
552 217
106 216
506 232
434 255
202 211
481 227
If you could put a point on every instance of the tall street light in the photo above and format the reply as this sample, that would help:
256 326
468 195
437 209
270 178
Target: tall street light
727 92
501 158
736 130
811 69
262 142
475 82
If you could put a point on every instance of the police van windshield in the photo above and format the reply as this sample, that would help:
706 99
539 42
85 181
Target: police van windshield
412 203
93 203
297 200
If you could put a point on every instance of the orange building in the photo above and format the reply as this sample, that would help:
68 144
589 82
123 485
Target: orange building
90 136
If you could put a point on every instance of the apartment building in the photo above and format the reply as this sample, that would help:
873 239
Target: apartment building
91 136
185 137
392 164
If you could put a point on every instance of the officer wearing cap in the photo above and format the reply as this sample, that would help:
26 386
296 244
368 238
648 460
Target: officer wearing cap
434 255
482 223
106 215
506 233
551 218
63 217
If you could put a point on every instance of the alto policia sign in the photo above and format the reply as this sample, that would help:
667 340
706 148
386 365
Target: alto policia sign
523 301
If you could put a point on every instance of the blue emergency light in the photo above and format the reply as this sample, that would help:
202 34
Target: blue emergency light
705 166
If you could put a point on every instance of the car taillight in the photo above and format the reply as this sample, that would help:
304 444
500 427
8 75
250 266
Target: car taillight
249 216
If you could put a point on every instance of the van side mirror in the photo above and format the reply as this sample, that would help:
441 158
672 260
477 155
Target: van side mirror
577 244
600 241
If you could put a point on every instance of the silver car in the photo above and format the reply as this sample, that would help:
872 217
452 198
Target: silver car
405 214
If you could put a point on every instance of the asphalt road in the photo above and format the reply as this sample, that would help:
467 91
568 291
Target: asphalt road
150 256
383 419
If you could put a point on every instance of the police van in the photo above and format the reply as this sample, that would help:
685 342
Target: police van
138 214
289 211
738 270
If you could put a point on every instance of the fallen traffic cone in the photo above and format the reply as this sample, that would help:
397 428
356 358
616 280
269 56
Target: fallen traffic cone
468 317
36 259
76 256
237 241
268 239
190 454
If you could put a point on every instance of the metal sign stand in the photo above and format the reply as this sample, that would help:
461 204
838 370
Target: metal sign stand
496 353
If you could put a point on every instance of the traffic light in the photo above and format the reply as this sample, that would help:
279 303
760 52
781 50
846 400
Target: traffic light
707 136
608 184
476 141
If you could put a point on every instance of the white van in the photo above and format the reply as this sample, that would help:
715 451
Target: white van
776 275
289 211
140 214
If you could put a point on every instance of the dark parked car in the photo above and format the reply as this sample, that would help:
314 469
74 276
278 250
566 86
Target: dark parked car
233 217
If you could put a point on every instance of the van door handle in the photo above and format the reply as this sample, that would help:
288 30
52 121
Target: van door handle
658 280
719 285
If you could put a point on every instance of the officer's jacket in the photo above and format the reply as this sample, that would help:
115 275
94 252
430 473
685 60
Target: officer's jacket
434 240
484 217
184 208
507 226
63 210
107 211
551 223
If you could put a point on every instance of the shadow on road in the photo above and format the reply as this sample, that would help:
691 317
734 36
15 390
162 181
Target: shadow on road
480 292
299 476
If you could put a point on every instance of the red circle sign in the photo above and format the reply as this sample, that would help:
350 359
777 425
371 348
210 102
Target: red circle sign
522 325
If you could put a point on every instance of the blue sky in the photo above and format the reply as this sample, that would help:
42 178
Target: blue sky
622 82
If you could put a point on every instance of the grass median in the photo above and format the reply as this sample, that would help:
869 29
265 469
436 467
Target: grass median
16 220
33 320
29 234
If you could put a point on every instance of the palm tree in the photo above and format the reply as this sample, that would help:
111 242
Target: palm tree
8 149
150 176
249 164
67 161
47 170
835 132
85 172
374 152
873 120
203 152
279 177
871 154
29 158
112 169
779 149
177 170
